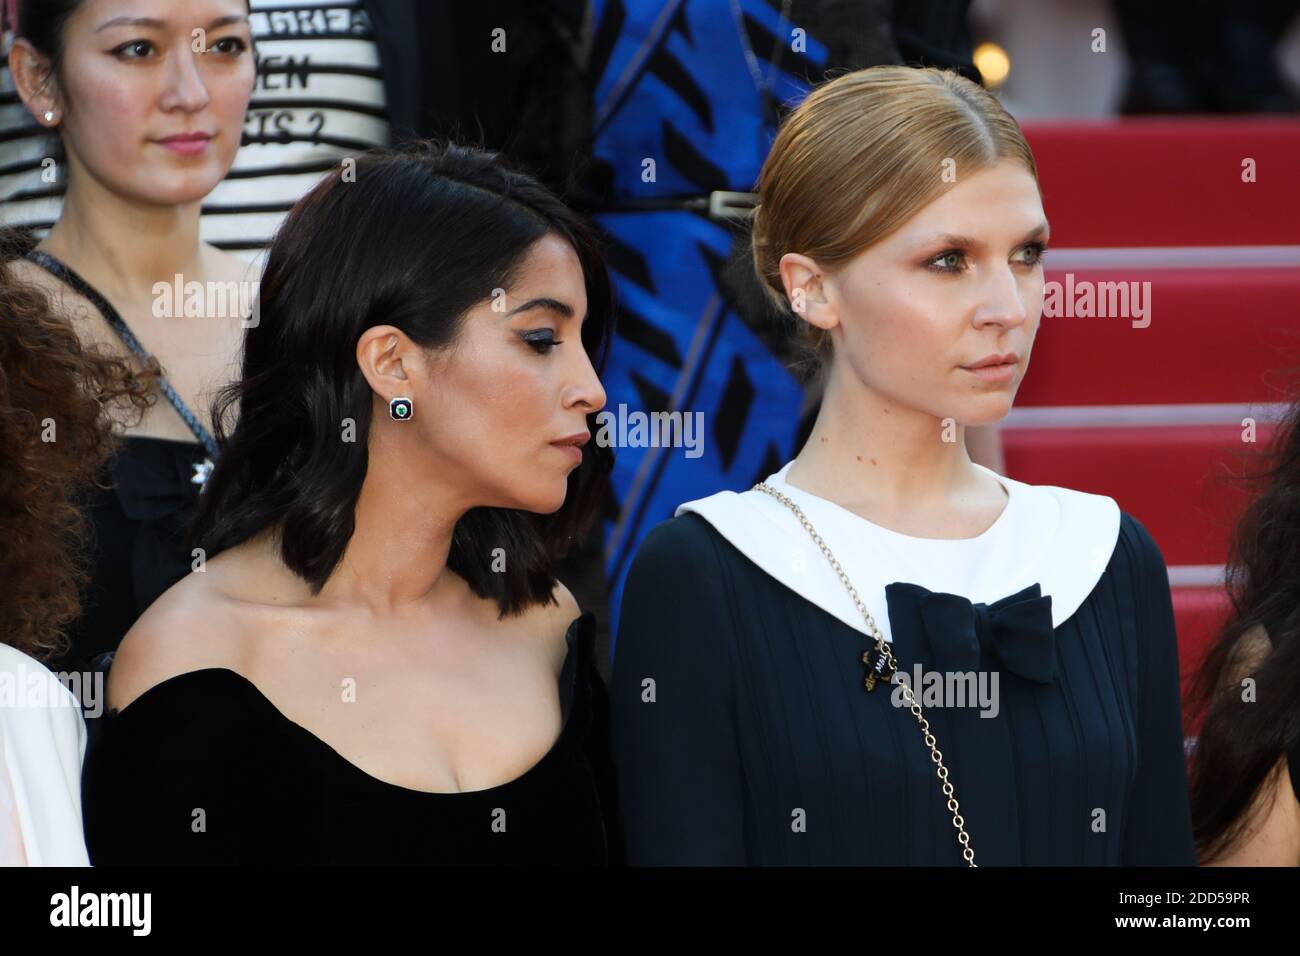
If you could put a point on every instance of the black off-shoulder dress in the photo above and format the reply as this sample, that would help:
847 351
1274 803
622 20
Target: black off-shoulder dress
207 746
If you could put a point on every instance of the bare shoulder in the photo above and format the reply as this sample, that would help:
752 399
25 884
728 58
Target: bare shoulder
228 267
91 327
1271 833
564 610
553 621
32 274
240 277
190 627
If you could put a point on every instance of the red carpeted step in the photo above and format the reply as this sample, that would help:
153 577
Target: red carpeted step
1214 336
1169 182
1218 337
1199 613
1169 478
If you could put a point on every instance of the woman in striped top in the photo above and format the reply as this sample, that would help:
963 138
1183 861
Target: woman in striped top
146 101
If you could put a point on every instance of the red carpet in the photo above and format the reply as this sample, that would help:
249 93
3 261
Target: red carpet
1163 202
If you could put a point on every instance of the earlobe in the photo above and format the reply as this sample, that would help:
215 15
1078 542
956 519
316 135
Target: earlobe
818 310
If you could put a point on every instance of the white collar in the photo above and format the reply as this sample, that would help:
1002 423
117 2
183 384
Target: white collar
1057 538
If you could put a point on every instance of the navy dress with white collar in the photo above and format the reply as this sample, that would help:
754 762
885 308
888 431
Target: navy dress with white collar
1042 651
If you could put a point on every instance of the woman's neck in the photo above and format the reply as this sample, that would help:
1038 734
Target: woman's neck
123 247
870 454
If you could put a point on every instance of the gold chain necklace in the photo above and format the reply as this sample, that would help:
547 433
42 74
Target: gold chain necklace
882 666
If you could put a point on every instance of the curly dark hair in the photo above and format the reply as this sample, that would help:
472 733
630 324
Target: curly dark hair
1241 743
55 437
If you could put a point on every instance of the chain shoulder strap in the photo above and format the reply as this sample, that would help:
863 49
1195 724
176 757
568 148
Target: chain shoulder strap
884 667
63 272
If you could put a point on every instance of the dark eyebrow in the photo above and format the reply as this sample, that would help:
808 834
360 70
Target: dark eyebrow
227 21
1041 231
544 303
152 24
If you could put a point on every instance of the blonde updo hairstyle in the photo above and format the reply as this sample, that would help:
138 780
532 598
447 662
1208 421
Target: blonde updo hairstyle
860 156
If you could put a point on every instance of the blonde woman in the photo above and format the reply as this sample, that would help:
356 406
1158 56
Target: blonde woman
886 653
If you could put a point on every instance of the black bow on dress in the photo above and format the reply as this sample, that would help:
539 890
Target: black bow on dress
1015 631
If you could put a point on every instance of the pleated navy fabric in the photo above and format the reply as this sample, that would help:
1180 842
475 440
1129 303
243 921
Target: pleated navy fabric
743 734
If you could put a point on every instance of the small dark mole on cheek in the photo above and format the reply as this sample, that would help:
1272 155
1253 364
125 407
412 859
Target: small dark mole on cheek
873 461
859 457
823 441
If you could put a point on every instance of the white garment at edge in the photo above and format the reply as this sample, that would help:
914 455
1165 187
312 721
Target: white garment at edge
42 744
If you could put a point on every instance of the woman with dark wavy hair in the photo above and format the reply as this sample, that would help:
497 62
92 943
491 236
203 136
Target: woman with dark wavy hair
374 661
1245 780
54 439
